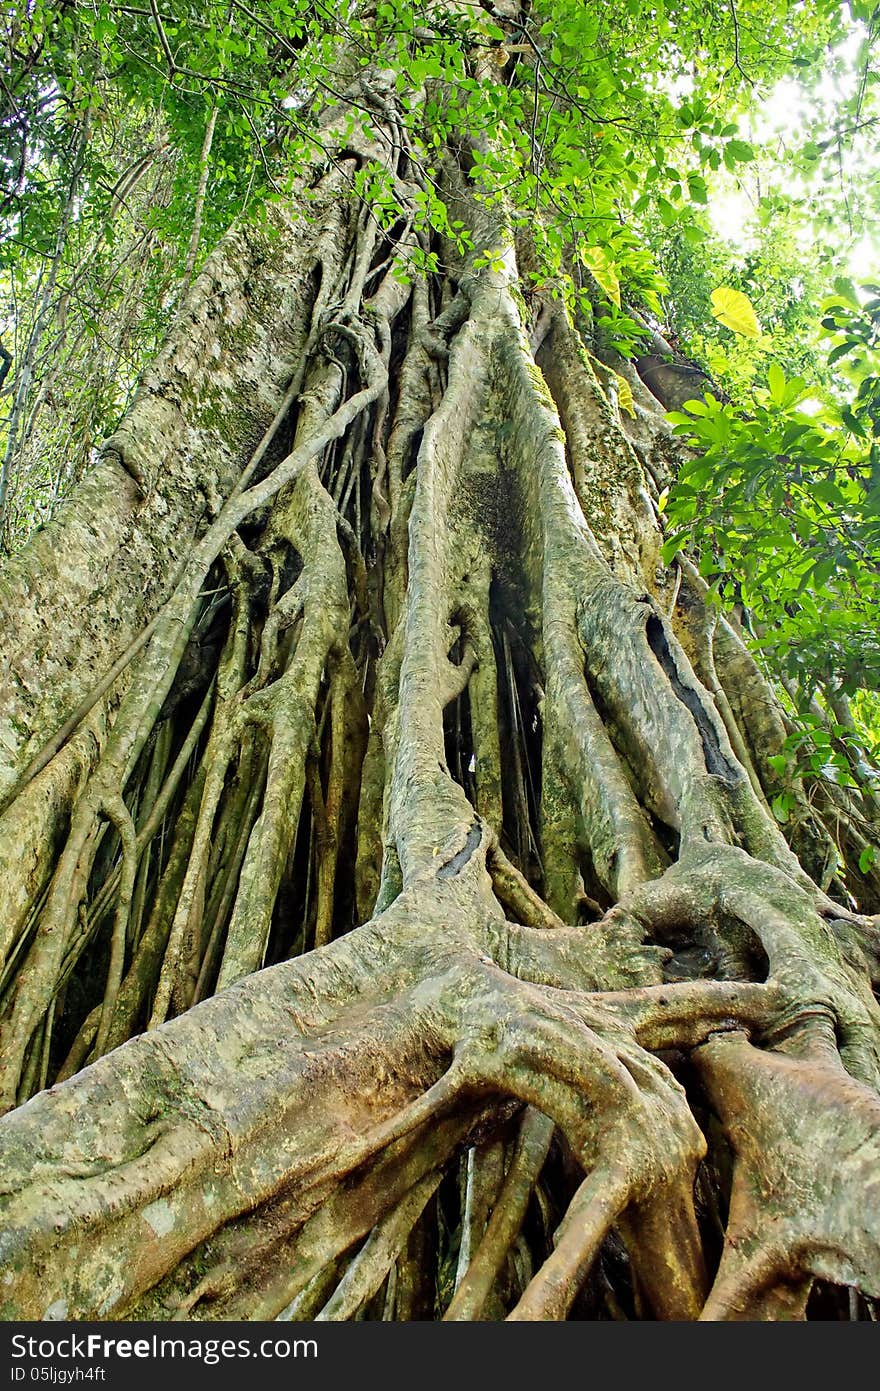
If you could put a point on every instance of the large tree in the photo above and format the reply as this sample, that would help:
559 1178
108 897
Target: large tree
393 917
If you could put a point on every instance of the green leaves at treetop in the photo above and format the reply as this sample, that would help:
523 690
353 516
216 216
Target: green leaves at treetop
579 119
582 124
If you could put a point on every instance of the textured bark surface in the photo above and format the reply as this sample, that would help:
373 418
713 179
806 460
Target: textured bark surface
392 920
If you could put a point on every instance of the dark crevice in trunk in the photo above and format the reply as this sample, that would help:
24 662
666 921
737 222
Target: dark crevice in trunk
199 661
461 857
695 956
597 900
742 957
716 762
714 1178
840 1303
520 739
667 836
386 248
293 917
607 1295
289 569
400 337
415 445
458 738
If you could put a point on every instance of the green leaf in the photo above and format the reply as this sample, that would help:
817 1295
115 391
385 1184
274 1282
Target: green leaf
734 309
740 151
671 546
776 382
601 267
823 571
697 188
624 396
781 806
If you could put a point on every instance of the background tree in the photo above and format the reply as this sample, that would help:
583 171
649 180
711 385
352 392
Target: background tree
361 655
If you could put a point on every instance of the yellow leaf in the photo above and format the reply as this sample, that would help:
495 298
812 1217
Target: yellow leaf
734 309
601 267
625 396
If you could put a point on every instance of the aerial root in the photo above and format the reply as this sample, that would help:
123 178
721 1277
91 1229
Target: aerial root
481 1174
279 1265
629 1124
140 979
687 1013
120 817
591 1213
38 975
665 1248
530 1152
376 1257
516 894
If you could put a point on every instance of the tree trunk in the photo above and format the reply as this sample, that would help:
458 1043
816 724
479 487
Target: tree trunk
388 830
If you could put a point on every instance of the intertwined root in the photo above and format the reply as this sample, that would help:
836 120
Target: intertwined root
411 1046
628 1122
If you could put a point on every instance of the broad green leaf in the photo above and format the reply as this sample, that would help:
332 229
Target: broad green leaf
601 267
625 396
781 806
740 151
672 545
734 309
776 382
841 350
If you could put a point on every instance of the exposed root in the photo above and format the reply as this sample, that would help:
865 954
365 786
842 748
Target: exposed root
793 1218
